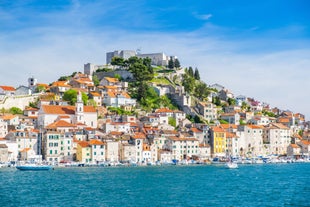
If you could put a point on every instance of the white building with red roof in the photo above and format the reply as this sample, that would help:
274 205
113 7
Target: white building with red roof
78 114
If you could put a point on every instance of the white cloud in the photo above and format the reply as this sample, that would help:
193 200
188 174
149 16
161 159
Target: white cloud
203 16
252 67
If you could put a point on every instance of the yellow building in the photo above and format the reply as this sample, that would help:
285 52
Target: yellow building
83 152
218 141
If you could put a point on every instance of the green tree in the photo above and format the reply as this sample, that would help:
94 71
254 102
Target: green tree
39 89
134 59
141 72
3 110
172 121
15 110
190 72
231 101
70 96
119 61
201 91
63 78
216 101
177 63
96 80
196 74
171 64
189 83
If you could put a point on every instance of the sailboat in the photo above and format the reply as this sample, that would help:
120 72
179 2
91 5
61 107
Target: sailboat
231 164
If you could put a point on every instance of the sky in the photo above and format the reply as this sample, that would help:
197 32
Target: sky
259 48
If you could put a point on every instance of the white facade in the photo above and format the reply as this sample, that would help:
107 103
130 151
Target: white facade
3 128
116 126
277 138
112 152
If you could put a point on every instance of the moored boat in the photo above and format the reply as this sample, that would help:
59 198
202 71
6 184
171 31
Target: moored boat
34 167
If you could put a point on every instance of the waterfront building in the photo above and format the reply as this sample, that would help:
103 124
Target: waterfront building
305 147
137 140
4 153
3 127
277 138
127 152
217 141
251 140
146 154
232 144
204 152
83 152
112 151
27 141
293 150
197 133
183 147
97 150
52 143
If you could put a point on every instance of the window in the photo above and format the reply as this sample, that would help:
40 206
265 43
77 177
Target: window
95 153
51 152
55 151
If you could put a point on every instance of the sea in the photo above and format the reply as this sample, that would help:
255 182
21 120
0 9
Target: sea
196 185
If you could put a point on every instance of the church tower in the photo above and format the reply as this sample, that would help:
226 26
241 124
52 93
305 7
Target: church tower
79 109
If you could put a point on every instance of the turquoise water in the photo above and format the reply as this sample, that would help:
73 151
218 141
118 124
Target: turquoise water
249 185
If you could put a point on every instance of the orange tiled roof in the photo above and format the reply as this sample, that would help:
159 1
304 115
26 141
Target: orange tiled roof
95 93
116 133
111 80
204 145
31 109
111 87
294 146
55 109
8 117
231 135
195 130
228 126
164 110
25 150
61 84
252 126
139 135
60 123
278 125
7 88
305 142
83 144
283 120
217 129
96 142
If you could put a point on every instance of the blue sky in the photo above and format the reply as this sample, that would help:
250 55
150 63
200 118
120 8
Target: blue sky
260 49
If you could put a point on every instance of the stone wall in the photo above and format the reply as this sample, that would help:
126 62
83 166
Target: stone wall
18 101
